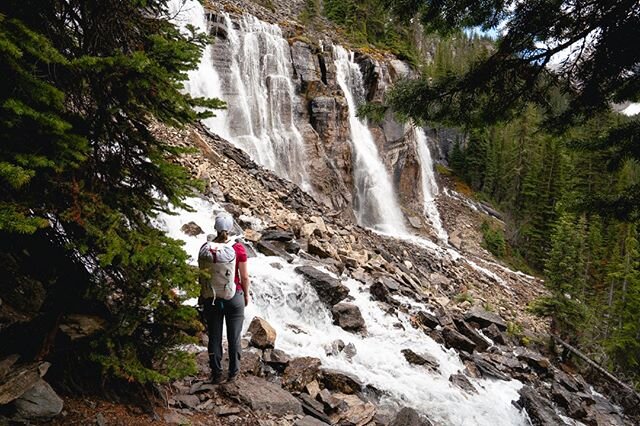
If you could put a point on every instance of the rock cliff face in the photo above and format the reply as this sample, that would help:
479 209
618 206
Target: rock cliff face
320 110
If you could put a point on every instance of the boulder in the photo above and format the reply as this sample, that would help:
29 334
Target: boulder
569 401
409 417
354 411
494 333
454 339
300 372
251 362
334 348
348 317
330 403
539 409
532 358
316 226
421 359
277 235
310 421
485 318
340 381
40 402
192 229
472 334
321 249
263 336
77 326
427 320
19 379
381 293
487 368
330 290
276 358
313 408
262 397
270 249
461 381
6 363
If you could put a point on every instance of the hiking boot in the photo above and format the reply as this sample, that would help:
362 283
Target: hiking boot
232 378
215 379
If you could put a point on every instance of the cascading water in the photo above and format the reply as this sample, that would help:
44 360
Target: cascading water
304 328
376 205
249 67
429 184
257 85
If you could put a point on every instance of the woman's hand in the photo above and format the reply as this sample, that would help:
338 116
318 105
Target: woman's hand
246 299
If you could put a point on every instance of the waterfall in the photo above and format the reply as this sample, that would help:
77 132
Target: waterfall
304 327
429 185
249 67
376 204
257 85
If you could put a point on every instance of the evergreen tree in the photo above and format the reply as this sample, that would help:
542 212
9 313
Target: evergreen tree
82 174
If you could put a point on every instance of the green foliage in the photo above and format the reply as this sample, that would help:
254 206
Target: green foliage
82 84
369 22
463 297
493 239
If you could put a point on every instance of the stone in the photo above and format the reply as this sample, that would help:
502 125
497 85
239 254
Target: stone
485 318
568 401
334 348
350 350
540 410
276 358
453 339
409 417
263 336
415 222
566 380
277 235
313 389
269 249
356 413
300 372
316 224
331 404
251 362
313 407
532 358
471 333
18 380
188 401
309 421
174 418
292 247
427 320
262 397
340 381
40 402
251 235
77 326
421 359
227 410
321 249
330 290
381 293
348 317
192 229
494 333
6 363
461 381
488 369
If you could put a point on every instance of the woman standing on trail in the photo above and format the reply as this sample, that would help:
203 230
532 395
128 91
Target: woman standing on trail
224 292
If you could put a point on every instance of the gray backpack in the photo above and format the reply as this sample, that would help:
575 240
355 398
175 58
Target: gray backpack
219 261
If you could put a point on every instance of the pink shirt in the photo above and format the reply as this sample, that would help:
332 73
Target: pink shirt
241 256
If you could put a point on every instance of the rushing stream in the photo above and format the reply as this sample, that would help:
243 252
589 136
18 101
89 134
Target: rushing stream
304 328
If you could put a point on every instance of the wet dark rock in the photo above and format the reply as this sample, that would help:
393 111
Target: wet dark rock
539 409
532 358
409 417
277 235
570 402
331 404
350 350
472 334
300 372
340 381
292 247
263 336
276 358
453 339
251 362
488 368
420 359
39 402
348 317
494 333
270 249
427 320
192 229
330 290
566 380
262 396
314 408
335 348
461 381
485 318
380 292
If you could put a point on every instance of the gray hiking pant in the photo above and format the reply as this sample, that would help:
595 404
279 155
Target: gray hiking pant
231 312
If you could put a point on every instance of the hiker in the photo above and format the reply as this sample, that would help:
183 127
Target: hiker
224 293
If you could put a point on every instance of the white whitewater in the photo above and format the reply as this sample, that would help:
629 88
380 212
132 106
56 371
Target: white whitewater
257 86
261 95
304 328
429 185
376 205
